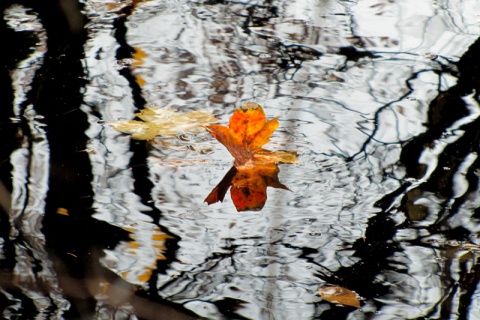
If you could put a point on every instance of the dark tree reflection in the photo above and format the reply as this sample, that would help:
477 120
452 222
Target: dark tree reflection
379 245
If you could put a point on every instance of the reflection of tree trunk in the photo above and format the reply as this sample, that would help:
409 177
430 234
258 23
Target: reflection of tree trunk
379 244
444 110
9 131
25 162
34 278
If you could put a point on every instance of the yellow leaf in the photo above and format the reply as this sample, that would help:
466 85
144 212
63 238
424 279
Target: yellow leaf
164 122
62 211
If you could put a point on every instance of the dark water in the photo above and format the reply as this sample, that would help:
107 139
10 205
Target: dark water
380 98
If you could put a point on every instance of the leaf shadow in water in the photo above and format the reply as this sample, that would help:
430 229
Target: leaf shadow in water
248 186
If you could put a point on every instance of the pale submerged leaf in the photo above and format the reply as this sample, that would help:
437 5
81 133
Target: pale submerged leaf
164 122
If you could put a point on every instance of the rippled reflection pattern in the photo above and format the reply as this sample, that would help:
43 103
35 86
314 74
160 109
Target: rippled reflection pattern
379 97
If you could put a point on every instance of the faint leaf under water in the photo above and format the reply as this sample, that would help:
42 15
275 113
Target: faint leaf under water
339 295
145 251
164 122
248 130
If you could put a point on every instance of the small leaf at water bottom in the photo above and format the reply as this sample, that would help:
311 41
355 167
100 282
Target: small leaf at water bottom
164 122
339 295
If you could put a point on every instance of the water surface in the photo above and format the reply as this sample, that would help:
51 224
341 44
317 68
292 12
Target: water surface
378 97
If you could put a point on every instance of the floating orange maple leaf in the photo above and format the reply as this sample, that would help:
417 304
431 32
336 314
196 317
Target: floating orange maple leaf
254 168
248 130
